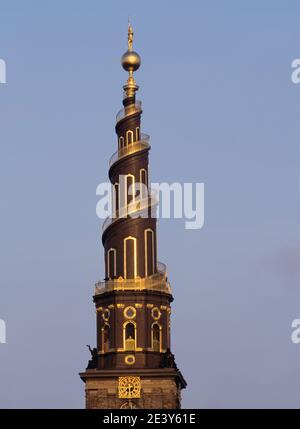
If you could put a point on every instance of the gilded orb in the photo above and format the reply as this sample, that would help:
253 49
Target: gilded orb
131 61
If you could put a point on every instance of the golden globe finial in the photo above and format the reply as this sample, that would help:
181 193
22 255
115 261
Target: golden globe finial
131 61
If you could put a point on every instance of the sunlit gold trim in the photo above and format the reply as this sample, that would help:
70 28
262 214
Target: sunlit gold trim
124 334
111 306
110 350
129 387
141 144
137 305
137 133
160 336
129 132
129 359
125 312
156 309
138 349
120 305
157 282
106 314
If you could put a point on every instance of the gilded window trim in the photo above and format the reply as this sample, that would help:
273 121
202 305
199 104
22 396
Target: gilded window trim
160 336
134 256
124 334
137 133
127 140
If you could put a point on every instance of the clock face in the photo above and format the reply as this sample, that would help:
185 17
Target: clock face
129 387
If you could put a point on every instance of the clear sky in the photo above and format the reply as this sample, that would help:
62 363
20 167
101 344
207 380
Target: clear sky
221 109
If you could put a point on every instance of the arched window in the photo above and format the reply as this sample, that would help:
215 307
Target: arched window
143 181
105 338
121 142
129 137
137 134
149 252
129 189
130 261
111 263
156 337
116 198
129 330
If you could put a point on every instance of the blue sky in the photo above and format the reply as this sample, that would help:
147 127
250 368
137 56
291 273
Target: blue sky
221 109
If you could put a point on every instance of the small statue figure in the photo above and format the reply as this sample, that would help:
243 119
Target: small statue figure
168 360
92 362
130 37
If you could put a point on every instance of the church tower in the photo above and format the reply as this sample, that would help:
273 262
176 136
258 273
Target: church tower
132 365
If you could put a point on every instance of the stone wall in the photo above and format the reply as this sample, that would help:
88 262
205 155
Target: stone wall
155 393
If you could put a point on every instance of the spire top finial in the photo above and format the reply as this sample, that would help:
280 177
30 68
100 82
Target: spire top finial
130 36
131 61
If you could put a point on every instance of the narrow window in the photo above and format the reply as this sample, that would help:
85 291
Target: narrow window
156 337
129 189
143 182
116 199
111 263
121 142
137 134
149 252
130 261
129 137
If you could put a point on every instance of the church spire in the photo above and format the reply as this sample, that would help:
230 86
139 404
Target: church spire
132 365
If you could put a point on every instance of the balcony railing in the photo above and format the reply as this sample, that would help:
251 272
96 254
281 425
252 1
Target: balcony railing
130 149
156 282
129 110
135 206
161 268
